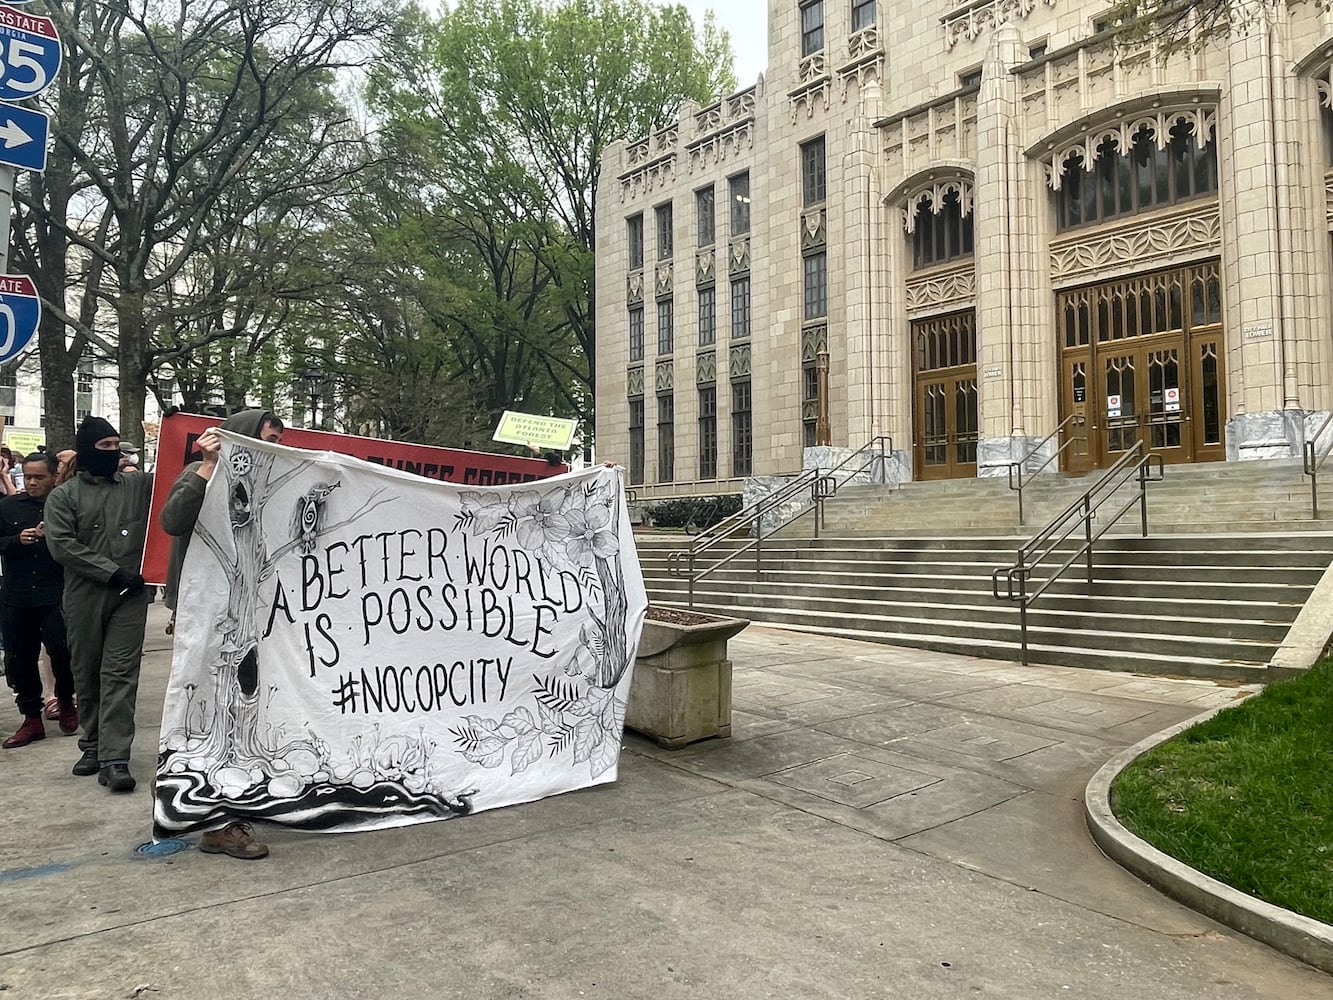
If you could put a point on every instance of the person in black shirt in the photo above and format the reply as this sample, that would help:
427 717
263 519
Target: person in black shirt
30 596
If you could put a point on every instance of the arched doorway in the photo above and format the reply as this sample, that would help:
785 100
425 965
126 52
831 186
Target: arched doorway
1141 359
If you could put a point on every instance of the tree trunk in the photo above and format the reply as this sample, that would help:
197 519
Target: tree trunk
131 353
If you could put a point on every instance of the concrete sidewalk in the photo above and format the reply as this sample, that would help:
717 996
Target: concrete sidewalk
885 823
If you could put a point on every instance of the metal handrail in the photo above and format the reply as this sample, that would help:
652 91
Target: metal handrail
821 485
1135 464
1017 467
1312 461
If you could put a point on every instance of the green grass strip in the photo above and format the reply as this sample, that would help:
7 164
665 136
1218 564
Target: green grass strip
1247 797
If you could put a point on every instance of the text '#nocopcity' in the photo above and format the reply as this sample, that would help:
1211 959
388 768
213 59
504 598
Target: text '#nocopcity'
428 687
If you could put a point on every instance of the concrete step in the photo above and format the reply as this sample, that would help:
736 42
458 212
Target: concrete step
1179 606
977 588
1205 633
1086 650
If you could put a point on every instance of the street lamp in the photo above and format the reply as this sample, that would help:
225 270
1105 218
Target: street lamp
313 377
823 435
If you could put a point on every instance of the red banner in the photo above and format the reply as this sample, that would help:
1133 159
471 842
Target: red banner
175 450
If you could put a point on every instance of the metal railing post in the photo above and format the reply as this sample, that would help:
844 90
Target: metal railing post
1143 495
1087 534
1313 473
691 576
1020 490
1023 607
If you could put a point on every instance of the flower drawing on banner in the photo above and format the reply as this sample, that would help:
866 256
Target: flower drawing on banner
574 528
541 519
591 535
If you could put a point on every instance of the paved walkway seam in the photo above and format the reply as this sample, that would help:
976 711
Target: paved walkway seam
1301 937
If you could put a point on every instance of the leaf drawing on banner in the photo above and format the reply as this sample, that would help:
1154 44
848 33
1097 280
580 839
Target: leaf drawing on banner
551 725
527 751
586 736
556 694
605 754
519 720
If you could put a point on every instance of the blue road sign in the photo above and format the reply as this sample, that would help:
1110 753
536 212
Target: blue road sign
23 137
20 312
29 54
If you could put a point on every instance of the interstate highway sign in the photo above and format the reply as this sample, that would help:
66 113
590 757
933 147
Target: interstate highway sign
29 54
23 137
20 311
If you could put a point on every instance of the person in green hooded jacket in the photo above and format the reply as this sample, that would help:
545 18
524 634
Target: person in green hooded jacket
179 514
95 528
181 508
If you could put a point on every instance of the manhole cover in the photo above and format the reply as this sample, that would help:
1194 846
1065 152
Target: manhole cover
162 848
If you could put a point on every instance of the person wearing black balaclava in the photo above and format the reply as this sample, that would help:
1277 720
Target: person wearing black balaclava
95 528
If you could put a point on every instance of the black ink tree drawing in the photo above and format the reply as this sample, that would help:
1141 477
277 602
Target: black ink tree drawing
232 759
572 527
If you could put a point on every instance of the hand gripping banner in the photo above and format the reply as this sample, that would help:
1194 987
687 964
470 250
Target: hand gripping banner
359 648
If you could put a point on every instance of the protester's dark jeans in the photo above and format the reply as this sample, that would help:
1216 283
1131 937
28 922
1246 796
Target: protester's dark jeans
25 631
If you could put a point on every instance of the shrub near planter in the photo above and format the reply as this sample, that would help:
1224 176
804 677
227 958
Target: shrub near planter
682 677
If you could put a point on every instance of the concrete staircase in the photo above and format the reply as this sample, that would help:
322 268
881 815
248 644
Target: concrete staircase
1222 497
1212 592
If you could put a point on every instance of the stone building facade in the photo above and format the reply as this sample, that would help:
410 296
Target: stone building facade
980 229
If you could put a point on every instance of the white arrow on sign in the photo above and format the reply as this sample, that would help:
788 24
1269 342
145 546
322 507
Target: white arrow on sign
13 135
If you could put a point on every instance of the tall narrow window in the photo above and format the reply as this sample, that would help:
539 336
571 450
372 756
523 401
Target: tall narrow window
863 14
666 437
634 230
83 389
636 440
816 285
740 309
666 326
9 387
814 180
706 210
739 190
812 27
636 334
809 402
707 316
708 432
742 430
665 240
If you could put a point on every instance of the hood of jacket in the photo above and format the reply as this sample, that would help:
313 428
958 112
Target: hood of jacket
247 422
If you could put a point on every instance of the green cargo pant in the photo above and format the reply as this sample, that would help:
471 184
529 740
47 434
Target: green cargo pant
106 646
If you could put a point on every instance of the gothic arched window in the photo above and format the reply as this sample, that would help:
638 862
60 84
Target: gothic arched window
942 229
1147 177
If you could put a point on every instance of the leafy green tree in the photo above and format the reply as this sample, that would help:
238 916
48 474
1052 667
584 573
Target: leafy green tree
503 111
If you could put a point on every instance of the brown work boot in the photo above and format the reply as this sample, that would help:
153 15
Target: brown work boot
33 729
69 718
236 840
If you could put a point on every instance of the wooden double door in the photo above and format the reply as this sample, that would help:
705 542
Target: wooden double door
1142 361
945 418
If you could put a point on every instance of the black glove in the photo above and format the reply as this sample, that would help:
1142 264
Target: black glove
125 582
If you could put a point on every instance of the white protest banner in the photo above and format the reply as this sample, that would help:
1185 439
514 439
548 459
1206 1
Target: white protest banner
359 648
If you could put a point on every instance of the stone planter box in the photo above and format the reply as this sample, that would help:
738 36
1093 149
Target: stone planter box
682 679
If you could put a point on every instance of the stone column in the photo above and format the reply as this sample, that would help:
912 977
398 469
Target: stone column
1015 374
1271 347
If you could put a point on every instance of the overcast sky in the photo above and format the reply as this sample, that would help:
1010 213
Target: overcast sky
747 23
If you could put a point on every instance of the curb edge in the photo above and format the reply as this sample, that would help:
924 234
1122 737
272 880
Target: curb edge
1302 938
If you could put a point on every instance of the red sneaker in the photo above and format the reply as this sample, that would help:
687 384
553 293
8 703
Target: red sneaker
69 719
33 729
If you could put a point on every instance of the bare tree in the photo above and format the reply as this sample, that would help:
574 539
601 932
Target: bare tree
188 122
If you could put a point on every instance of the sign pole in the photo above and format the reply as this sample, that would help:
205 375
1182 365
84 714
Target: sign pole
6 213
